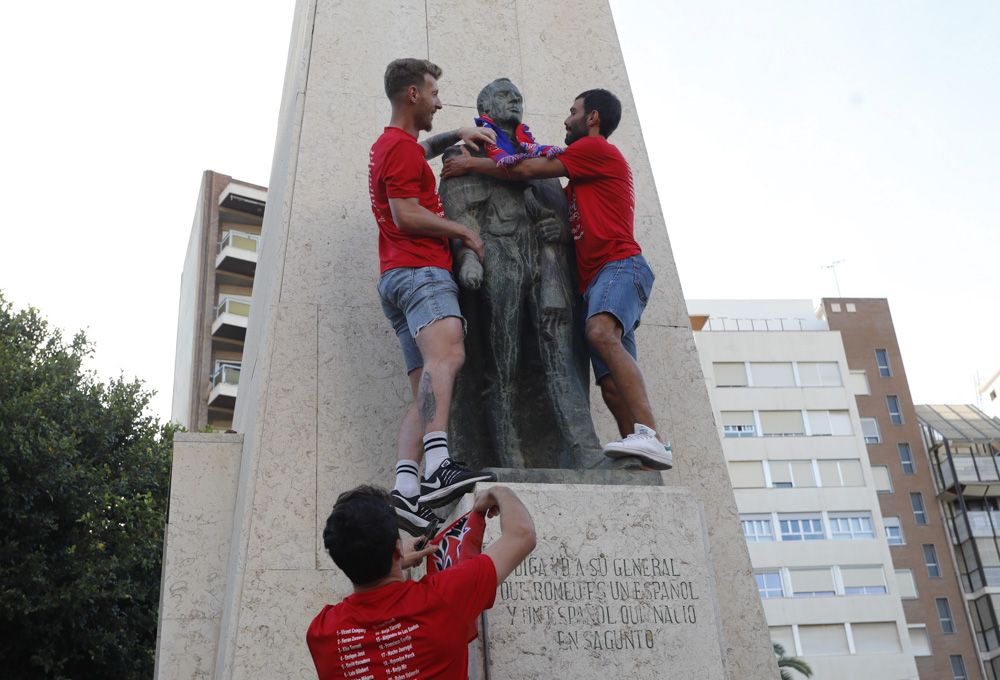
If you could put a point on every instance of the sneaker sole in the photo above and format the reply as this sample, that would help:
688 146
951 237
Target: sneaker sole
447 494
412 524
664 462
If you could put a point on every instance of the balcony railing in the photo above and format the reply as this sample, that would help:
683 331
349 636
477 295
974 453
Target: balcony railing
231 305
240 240
226 375
238 252
984 524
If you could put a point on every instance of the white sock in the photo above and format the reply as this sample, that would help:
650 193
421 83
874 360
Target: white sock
407 481
435 451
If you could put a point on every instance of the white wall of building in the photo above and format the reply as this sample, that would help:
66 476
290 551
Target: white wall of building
842 635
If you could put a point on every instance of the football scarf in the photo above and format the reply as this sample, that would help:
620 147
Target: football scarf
507 152
462 540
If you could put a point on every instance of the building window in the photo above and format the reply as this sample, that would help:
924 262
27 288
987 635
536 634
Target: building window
944 615
772 374
893 531
883 480
895 414
801 528
869 426
851 526
931 560
781 423
919 511
907 586
863 580
906 459
880 637
919 642
789 474
824 640
812 582
958 667
882 359
828 423
737 423
757 529
840 473
730 374
746 474
984 622
769 584
819 374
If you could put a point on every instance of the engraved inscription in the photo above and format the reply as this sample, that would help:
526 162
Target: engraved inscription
598 602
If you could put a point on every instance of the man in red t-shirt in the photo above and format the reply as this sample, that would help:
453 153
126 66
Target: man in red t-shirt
391 628
418 294
614 278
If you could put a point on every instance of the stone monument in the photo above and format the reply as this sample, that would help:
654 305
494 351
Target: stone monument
322 391
522 398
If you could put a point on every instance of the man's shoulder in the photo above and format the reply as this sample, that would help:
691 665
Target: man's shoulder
393 138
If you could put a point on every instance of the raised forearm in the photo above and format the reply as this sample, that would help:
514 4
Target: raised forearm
435 146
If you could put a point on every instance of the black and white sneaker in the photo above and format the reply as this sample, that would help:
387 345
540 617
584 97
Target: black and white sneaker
450 481
413 515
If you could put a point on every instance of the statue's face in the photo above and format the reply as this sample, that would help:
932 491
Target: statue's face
506 105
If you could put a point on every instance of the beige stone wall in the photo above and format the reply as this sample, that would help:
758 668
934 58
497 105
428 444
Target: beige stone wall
323 389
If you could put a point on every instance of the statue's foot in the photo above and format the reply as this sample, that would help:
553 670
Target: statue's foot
644 445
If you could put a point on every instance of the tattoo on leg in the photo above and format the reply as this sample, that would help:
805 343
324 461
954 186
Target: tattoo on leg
425 397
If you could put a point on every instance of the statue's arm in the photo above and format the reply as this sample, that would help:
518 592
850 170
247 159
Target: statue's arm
472 136
463 199
529 168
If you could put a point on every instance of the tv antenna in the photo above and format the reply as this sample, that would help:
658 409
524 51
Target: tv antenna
833 267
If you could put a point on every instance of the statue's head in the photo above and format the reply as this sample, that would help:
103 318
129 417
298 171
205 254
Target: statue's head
501 101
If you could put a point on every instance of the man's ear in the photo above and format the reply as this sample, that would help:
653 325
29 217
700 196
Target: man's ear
412 94
397 552
594 119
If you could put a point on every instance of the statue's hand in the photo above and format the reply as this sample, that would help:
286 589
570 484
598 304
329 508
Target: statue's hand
470 273
474 136
551 230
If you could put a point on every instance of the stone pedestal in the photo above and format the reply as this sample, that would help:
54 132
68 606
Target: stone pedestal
621 581
322 389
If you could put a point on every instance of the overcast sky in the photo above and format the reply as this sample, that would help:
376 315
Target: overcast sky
784 136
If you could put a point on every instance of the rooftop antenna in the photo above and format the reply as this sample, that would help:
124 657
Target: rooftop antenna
833 267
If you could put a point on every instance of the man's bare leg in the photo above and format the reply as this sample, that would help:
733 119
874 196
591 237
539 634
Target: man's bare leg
604 335
411 431
442 345
613 400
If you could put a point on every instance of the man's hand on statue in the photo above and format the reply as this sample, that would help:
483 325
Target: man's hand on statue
472 241
486 503
552 231
470 273
474 136
411 556
456 166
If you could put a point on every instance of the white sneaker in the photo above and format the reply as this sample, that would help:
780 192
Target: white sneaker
643 445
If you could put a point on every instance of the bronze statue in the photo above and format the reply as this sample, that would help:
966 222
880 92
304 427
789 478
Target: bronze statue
522 399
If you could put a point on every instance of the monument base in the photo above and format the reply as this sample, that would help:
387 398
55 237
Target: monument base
620 584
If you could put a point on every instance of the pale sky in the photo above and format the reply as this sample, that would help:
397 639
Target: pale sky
783 136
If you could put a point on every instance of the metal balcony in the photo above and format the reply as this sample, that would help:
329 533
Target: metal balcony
225 382
231 318
237 252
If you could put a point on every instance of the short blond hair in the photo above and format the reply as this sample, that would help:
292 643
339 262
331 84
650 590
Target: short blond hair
401 73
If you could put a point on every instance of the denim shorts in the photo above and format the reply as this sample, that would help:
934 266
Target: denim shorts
621 288
413 298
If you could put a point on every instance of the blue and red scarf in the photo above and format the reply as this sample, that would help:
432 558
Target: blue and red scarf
507 152
462 540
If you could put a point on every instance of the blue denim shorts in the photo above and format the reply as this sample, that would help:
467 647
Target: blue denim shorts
413 298
621 288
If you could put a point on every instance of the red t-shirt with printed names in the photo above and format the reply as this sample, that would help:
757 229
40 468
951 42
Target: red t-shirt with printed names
411 630
601 205
397 169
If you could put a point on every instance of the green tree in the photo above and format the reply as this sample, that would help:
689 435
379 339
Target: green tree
790 662
84 475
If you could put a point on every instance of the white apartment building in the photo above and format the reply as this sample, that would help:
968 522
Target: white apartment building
784 402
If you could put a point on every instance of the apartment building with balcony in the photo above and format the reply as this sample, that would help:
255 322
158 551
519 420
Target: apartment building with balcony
216 286
784 401
921 550
963 447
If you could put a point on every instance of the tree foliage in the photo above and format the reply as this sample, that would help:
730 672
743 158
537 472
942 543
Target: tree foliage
790 662
84 474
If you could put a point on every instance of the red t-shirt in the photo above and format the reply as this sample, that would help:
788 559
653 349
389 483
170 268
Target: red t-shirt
412 630
601 205
397 169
